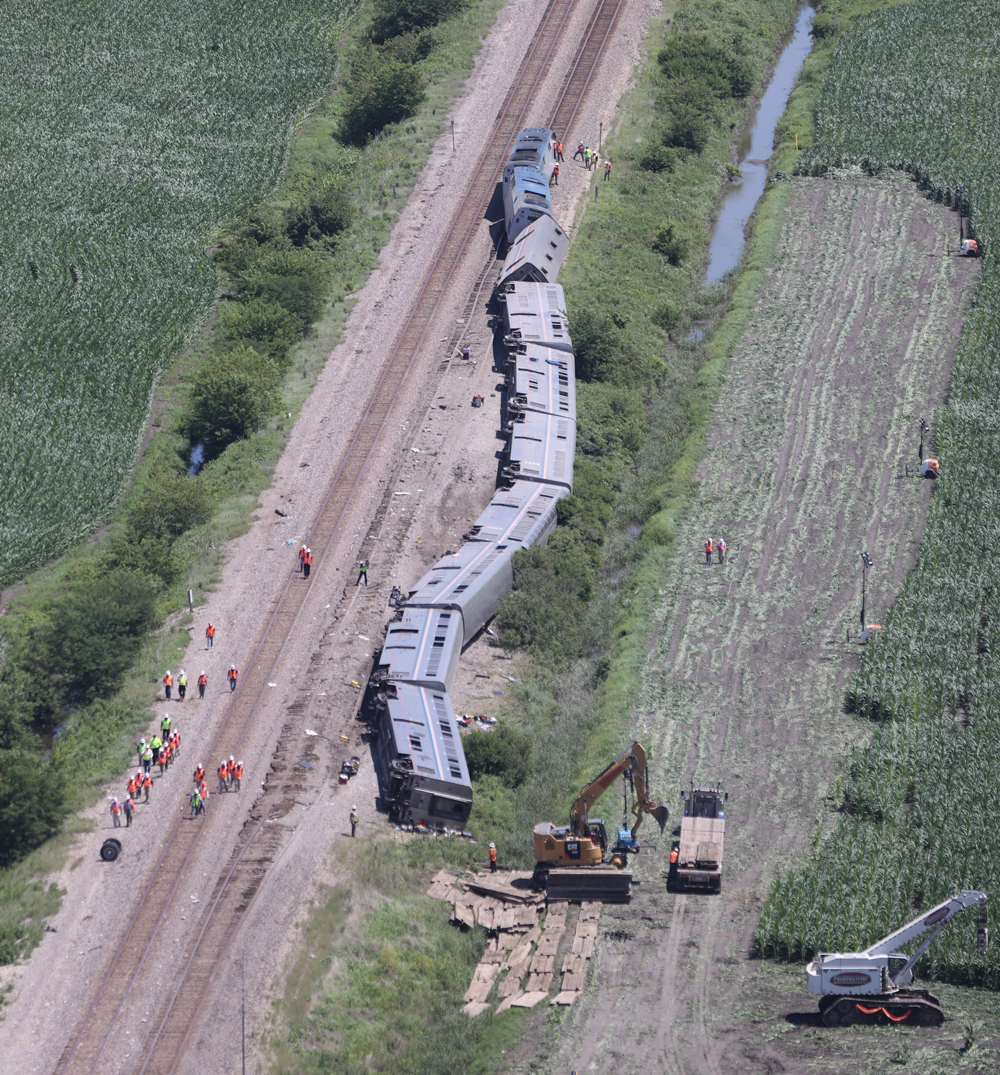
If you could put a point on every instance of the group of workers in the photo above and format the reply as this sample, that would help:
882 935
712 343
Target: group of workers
160 749
719 545
230 774
182 683
590 157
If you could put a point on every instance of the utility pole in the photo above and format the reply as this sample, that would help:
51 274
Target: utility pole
243 1013
866 563
924 430
453 136
600 136
960 192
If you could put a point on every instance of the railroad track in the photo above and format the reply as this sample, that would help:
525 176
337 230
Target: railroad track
182 1001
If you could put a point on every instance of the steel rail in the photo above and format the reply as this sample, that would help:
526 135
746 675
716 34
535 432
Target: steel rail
603 18
280 605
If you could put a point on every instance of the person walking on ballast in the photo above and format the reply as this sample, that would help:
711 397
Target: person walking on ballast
362 573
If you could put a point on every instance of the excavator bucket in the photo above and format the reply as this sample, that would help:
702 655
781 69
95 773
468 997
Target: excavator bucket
660 813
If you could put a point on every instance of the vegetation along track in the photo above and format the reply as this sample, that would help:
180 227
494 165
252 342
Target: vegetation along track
183 997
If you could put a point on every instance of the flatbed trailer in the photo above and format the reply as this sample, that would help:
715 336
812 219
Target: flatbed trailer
699 852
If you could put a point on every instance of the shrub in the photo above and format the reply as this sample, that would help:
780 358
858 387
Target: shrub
96 632
693 57
32 803
380 90
689 128
666 317
170 504
605 353
392 18
411 47
658 158
504 753
265 326
325 214
232 396
669 243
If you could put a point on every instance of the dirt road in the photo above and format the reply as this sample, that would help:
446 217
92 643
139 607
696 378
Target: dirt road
850 344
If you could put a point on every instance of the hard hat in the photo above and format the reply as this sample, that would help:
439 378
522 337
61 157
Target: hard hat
354 808
203 671
493 846
199 765
231 758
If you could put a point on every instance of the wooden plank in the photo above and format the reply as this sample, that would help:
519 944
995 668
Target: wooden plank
508 1001
527 915
504 892
574 981
474 1008
529 1000
443 877
542 964
465 914
538 983
566 997
571 963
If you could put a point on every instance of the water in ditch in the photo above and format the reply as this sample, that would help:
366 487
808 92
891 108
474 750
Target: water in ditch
755 145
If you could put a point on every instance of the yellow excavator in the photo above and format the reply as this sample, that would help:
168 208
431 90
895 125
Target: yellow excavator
574 861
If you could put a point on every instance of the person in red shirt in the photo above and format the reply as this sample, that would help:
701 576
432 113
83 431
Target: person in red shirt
202 684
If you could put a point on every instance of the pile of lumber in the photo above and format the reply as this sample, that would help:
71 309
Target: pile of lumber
520 957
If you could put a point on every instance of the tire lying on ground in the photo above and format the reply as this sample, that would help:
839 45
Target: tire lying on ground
111 849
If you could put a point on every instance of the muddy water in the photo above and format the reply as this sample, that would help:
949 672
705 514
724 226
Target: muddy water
755 145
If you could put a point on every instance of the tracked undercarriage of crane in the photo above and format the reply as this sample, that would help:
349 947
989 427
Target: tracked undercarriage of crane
874 986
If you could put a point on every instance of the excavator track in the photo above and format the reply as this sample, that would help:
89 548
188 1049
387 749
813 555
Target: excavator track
912 1007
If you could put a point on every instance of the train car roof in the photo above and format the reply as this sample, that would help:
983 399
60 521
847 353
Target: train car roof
471 580
424 728
536 313
537 253
542 448
522 515
423 647
542 379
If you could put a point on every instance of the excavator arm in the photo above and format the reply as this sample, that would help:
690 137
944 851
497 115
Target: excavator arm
632 760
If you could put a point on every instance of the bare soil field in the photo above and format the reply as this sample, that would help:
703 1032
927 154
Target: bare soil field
439 450
849 346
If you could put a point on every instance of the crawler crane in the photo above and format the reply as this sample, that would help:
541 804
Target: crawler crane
571 859
862 987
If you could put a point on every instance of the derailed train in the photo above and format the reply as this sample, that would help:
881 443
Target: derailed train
422 769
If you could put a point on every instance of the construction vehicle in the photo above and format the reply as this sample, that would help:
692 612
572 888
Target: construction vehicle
574 861
863 987
698 859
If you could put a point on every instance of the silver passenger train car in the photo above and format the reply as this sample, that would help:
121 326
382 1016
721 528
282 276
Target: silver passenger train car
424 778
537 253
525 200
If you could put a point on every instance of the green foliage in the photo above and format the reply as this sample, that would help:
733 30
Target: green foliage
657 158
264 326
689 127
605 353
170 503
322 215
695 58
504 752
96 632
232 397
32 802
104 275
669 243
393 18
666 316
380 90
912 87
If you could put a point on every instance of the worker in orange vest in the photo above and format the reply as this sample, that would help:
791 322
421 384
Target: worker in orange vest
555 176
168 682
708 551
164 758
129 807
232 678
230 770
673 856
116 813
720 548
223 774
493 858
202 684
131 785
238 775
199 773
559 151
302 558
175 743
307 563
147 783
607 170
209 635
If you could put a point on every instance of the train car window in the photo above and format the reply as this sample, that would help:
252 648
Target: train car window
449 808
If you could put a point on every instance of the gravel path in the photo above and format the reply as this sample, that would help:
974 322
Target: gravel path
450 478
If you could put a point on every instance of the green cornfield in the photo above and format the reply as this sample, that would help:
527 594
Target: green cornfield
916 87
129 130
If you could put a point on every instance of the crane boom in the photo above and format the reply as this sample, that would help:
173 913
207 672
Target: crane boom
632 761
